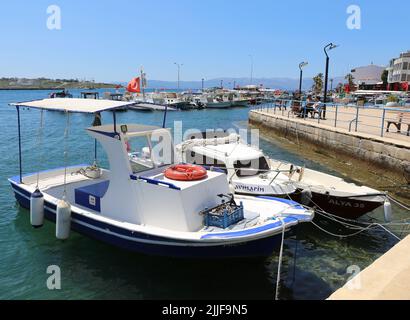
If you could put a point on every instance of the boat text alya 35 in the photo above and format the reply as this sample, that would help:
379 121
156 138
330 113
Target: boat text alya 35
250 172
167 209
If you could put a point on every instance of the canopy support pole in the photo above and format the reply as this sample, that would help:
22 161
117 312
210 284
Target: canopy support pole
95 149
114 117
165 116
19 137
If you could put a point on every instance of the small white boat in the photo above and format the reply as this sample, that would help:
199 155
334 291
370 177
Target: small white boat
144 209
247 168
221 99
250 172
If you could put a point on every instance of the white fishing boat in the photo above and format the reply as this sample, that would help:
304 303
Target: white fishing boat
251 172
160 209
247 168
221 99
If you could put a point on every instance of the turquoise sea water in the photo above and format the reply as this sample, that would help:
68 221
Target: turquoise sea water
314 263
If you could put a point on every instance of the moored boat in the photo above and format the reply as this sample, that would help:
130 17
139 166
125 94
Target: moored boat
268 176
144 209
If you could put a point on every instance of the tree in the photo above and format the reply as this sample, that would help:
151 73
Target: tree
318 83
339 87
385 76
349 77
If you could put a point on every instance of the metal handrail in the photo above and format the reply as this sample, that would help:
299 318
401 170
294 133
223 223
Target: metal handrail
334 108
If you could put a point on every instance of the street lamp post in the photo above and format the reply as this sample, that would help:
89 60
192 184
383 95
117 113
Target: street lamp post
202 84
328 47
179 69
331 85
301 66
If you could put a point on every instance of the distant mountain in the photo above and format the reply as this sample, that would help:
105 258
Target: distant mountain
273 83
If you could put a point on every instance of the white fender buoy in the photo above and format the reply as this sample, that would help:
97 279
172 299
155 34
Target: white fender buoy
37 209
305 197
387 211
63 219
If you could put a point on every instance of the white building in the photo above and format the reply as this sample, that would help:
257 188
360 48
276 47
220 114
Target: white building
368 75
399 69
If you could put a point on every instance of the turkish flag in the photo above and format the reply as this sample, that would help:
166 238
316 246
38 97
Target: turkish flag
405 86
134 85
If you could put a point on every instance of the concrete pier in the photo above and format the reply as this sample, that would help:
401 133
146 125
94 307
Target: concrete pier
388 278
390 152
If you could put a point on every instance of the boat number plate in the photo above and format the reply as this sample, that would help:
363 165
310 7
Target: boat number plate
91 200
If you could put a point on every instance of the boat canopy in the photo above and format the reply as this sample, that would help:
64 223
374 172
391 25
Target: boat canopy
132 130
220 152
74 105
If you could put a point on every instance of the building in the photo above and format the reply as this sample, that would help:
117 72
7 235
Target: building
368 77
399 72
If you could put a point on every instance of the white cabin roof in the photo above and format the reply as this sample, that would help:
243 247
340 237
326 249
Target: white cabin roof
234 151
74 105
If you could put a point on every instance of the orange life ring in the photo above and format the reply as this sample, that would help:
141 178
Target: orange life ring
185 172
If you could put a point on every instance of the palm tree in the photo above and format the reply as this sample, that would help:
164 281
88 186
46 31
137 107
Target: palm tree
318 83
349 77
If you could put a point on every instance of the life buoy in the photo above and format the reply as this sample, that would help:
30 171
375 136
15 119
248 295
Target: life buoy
186 172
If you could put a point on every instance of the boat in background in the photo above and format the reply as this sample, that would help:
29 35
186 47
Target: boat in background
264 176
220 99
60 94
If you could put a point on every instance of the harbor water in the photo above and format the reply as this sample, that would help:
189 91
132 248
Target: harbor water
315 264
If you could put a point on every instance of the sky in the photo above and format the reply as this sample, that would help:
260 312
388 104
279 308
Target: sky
109 40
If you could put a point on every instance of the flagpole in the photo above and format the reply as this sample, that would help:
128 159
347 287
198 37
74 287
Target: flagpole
142 84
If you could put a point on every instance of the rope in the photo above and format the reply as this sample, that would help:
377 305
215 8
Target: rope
368 226
280 261
39 144
398 203
66 131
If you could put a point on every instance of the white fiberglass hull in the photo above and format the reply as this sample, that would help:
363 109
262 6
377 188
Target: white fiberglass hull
257 235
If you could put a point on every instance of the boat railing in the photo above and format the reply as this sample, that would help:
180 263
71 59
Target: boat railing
382 121
276 172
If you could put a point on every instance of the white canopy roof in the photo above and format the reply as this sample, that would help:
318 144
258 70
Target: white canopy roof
74 105
133 130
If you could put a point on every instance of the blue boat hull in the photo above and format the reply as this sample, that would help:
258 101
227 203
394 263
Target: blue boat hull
154 245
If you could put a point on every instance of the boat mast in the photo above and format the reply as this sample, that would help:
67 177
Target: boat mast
142 84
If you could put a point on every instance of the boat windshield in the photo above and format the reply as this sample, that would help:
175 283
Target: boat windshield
252 167
145 153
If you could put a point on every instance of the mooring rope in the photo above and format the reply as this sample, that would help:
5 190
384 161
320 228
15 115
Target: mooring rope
368 226
398 203
280 260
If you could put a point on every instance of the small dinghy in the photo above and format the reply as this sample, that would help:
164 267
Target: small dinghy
250 172
150 209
